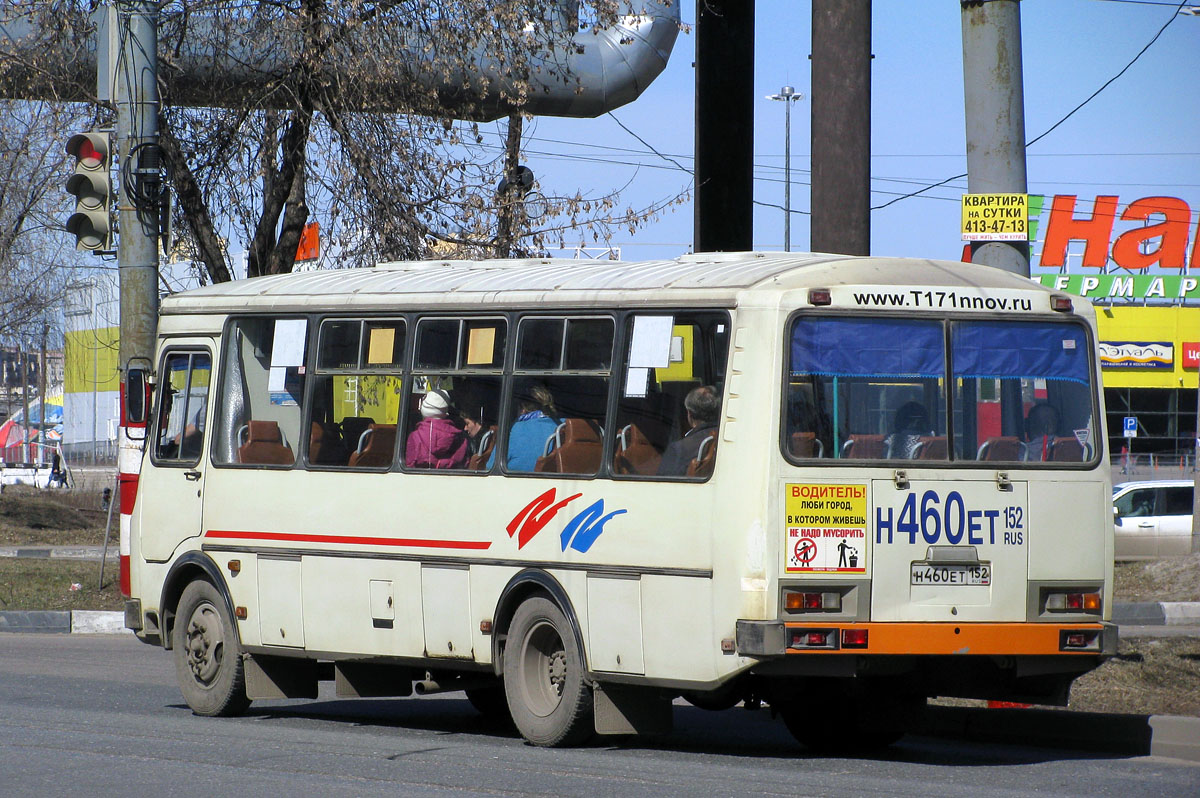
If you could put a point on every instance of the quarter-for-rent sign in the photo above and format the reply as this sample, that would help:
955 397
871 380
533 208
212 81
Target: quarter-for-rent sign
995 217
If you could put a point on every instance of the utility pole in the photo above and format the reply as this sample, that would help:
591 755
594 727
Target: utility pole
138 221
993 85
841 127
42 397
26 421
509 194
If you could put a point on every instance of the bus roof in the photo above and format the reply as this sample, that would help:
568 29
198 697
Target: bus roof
707 277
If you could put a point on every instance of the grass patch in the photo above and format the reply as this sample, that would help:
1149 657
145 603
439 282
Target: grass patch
33 584
1169 579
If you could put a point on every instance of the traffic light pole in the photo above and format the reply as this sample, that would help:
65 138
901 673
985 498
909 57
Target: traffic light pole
138 226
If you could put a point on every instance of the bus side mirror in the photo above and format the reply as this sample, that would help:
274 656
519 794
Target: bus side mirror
137 395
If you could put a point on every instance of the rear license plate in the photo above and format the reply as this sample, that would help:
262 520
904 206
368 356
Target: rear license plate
925 574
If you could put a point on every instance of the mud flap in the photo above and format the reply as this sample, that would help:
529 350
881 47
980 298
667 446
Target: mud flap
631 710
280 677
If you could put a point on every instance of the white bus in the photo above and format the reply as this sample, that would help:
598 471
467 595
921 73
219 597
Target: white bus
580 490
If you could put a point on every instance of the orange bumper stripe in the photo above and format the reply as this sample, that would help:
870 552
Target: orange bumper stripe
954 638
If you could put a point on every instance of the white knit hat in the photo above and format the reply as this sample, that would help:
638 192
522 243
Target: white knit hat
435 404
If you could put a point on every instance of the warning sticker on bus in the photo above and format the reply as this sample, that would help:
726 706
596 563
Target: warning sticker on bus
826 528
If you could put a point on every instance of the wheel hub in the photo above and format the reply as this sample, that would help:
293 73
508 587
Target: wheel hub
204 645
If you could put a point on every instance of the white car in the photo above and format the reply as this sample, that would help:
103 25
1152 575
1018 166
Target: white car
1153 518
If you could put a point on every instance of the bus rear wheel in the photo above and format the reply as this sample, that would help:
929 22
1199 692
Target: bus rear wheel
548 698
208 656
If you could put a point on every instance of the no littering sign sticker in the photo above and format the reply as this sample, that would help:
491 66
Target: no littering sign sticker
826 528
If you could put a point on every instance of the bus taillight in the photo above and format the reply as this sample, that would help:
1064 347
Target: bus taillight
854 638
796 601
1068 602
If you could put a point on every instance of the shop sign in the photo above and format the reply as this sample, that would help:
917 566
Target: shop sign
1191 354
1124 286
1136 354
1160 237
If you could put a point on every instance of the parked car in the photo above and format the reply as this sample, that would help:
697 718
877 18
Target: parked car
1153 518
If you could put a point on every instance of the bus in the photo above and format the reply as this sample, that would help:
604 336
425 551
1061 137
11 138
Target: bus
579 491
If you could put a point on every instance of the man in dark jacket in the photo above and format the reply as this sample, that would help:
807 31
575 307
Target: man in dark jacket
703 406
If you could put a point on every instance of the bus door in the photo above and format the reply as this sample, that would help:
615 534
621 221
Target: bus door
949 550
177 449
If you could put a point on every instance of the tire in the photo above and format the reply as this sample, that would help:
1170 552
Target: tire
208 656
550 703
490 702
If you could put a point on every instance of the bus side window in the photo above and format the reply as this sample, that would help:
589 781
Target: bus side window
262 380
559 396
183 407
356 393
458 366
672 381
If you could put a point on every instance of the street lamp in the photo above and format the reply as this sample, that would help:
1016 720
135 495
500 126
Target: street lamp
788 95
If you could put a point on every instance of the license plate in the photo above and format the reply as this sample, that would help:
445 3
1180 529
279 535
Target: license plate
926 574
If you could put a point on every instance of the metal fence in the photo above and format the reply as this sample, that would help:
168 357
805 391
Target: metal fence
1153 466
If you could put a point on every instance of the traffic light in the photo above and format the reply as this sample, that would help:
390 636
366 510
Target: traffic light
91 185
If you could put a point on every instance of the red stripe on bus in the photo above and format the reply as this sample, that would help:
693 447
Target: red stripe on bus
353 540
128 484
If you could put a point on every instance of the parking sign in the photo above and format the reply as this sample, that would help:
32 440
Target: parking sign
1130 426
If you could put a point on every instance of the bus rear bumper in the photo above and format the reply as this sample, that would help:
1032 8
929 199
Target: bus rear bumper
778 638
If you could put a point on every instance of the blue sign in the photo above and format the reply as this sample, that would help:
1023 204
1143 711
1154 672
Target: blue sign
1130 426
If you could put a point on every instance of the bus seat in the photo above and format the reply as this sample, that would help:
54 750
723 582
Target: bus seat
324 445
375 447
635 454
1007 447
576 449
353 427
865 447
487 443
706 457
264 445
806 444
1067 450
931 448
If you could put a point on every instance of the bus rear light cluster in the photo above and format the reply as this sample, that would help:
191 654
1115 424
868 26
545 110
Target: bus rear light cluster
813 638
854 638
798 601
1079 640
1060 303
819 296
1073 602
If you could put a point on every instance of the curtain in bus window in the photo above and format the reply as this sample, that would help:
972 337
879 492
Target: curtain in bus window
1008 349
868 348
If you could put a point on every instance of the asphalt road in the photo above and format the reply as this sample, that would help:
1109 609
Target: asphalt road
100 715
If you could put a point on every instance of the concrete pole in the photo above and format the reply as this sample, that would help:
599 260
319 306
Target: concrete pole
138 219
841 127
995 115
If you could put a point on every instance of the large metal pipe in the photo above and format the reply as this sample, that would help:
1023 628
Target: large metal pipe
572 71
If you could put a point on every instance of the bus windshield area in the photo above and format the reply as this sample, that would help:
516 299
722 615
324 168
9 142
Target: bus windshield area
939 390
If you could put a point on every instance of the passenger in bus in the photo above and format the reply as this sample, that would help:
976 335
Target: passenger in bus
437 441
703 407
535 424
910 422
191 437
477 429
1041 424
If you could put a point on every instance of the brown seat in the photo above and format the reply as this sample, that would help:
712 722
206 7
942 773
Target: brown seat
478 462
806 444
1067 450
324 445
1006 447
931 448
635 453
865 447
706 458
375 447
264 445
352 429
577 449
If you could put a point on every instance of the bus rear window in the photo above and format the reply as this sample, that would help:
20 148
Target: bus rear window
935 390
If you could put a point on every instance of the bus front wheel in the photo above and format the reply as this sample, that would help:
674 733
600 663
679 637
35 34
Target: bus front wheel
208 661
548 699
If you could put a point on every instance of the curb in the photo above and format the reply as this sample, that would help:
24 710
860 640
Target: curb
57 552
1157 613
1131 735
105 622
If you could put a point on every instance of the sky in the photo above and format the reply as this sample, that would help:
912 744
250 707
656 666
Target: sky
1139 137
